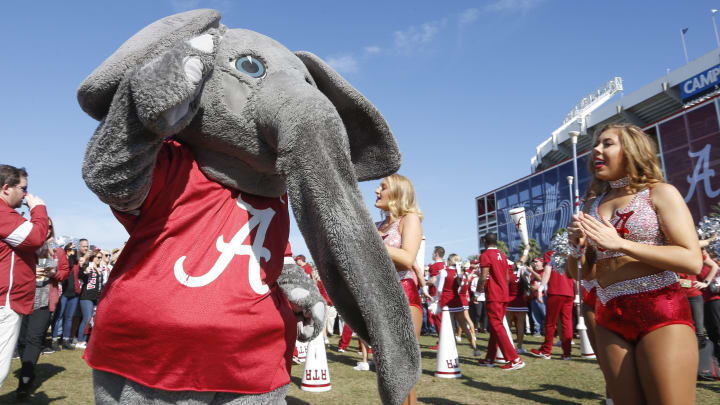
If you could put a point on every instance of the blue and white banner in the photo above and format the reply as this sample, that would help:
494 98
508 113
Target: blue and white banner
700 82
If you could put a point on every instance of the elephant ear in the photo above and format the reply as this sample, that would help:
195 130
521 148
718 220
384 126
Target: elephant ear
97 91
373 149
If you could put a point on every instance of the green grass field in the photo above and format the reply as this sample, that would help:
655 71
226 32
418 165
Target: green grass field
64 378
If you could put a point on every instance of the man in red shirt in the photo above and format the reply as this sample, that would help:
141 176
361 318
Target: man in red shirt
560 293
20 239
434 270
300 260
493 263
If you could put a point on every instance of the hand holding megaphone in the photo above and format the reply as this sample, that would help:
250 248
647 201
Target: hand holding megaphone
518 217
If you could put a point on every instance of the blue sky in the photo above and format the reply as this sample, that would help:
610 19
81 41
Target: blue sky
469 88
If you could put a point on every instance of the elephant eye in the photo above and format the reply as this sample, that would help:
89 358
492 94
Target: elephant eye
252 67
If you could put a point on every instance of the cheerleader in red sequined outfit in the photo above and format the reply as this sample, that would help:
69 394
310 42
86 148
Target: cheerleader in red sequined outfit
639 233
402 233
452 291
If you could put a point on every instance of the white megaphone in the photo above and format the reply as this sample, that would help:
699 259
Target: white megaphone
448 361
316 376
518 217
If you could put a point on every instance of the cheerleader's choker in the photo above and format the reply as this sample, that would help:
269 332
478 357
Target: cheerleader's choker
620 183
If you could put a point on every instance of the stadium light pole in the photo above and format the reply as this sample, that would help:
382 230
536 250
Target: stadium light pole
717 38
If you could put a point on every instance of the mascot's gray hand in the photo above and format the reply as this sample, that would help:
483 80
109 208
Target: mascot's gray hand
305 299
165 90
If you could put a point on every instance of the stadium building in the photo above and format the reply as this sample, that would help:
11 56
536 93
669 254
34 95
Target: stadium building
680 110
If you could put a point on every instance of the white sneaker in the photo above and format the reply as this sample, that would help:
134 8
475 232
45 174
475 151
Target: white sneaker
362 366
80 345
458 339
341 350
520 350
327 341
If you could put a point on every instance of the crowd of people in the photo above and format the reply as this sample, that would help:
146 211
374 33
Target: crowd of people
632 240
50 286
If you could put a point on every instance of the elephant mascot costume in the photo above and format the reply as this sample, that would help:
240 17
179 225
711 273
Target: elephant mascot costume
205 134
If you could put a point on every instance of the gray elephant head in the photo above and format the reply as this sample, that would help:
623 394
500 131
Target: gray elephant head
264 120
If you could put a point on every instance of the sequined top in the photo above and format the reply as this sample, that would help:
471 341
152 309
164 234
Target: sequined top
393 238
589 285
637 222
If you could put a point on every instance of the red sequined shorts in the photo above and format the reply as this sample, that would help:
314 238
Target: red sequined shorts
634 308
411 291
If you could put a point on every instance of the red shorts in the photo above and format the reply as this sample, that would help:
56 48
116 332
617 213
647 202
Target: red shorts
457 305
454 302
411 291
517 304
634 308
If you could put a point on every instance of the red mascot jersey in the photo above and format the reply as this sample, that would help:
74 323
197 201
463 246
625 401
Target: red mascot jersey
193 303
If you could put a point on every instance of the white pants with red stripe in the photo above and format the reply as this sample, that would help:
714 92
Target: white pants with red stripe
10 322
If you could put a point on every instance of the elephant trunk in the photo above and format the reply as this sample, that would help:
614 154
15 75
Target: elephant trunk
314 156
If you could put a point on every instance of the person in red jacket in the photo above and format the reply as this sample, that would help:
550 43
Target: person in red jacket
560 293
20 239
70 295
494 263
694 287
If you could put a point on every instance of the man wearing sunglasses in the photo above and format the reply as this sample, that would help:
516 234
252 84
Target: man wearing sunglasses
19 239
